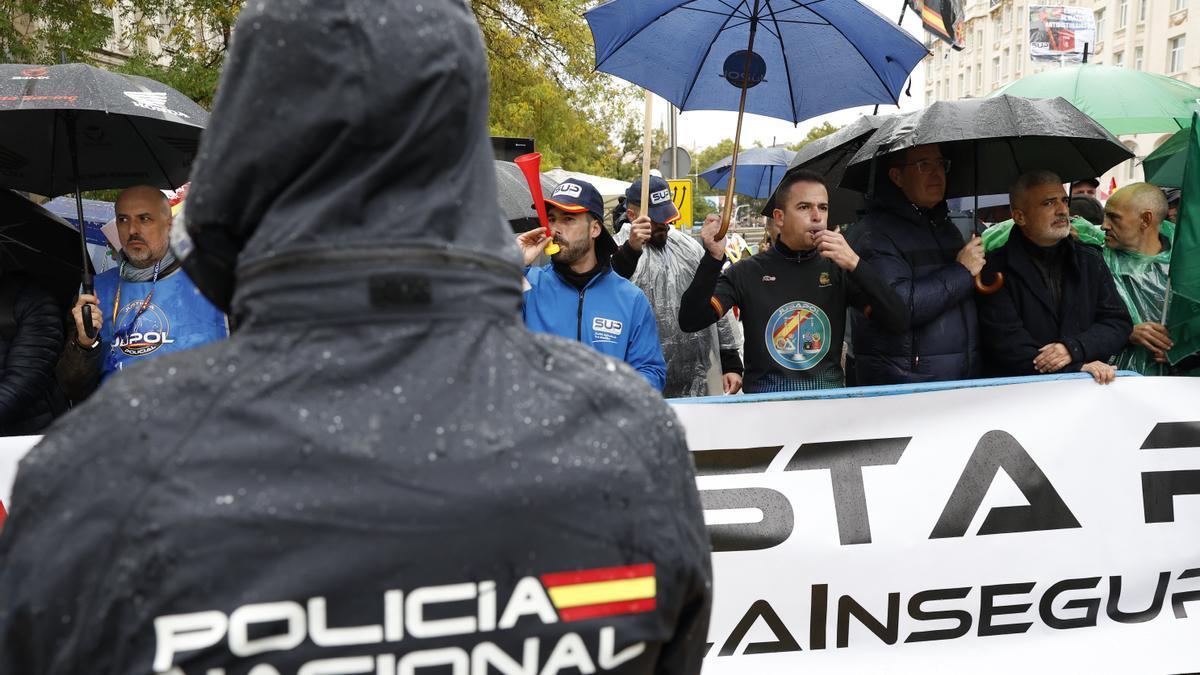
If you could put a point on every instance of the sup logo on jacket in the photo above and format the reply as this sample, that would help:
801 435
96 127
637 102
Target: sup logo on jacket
606 330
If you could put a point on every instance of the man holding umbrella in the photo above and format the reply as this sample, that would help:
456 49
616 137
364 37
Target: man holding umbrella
793 297
908 238
143 308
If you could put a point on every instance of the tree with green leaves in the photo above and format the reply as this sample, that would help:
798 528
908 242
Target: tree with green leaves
539 55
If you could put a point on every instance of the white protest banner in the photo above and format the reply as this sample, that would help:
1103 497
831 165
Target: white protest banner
1060 32
12 449
1038 527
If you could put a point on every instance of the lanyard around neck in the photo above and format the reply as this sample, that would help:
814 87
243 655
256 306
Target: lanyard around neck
141 310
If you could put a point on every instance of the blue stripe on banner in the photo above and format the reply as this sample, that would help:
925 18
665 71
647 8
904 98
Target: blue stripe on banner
889 389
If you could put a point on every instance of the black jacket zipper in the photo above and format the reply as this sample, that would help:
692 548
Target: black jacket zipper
579 317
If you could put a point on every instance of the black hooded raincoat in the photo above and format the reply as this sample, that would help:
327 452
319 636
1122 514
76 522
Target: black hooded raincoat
382 470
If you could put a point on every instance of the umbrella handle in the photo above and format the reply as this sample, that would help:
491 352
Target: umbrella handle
988 289
88 328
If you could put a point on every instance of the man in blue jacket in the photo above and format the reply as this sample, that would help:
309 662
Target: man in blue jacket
577 296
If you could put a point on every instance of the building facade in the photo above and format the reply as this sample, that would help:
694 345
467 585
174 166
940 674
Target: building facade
1148 35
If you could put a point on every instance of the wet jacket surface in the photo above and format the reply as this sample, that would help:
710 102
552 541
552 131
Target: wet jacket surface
382 469
914 250
1090 319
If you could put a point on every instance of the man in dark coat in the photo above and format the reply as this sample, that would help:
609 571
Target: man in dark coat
908 238
382 469
31 340
1058 310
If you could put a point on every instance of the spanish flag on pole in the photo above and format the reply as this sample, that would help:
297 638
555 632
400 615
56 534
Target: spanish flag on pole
606 591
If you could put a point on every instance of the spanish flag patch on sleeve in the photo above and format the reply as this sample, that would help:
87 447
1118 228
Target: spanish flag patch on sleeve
606 591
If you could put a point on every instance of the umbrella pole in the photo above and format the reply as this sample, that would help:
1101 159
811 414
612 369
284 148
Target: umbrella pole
727 210
86 280
648 129
998 282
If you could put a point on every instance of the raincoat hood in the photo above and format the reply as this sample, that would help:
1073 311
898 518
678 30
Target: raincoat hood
355 173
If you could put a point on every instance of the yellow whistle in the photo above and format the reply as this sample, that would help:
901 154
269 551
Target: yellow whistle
552 248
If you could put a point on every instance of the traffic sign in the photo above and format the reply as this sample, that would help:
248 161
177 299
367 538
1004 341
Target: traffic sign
681 194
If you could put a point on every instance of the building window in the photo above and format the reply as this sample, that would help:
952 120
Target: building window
1007 19
1142 10
1004 63
1175 55
1119 59
1177 5
1100 25
979 38
996 27
1122 14
995 72
1137 58
969 81
979 79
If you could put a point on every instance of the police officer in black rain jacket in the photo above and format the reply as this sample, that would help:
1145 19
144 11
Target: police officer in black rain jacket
381 470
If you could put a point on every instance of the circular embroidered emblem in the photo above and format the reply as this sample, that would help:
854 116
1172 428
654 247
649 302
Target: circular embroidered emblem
797 335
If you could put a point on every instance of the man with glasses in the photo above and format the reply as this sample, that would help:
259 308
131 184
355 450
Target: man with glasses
908 238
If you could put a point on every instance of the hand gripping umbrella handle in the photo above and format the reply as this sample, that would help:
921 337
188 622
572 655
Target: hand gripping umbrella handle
530 165
88 329
988 289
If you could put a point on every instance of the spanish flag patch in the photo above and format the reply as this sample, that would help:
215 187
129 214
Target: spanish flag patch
606 591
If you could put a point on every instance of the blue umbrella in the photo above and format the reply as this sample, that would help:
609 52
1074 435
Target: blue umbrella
761 171
810 58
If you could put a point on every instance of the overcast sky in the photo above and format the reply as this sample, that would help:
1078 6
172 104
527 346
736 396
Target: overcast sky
699 129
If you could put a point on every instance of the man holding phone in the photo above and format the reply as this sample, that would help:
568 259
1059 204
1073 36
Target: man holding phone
793 297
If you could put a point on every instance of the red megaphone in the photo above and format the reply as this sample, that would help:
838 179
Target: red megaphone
530 165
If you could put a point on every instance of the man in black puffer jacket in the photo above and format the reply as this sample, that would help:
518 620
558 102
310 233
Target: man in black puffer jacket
382 470
31 340
911 243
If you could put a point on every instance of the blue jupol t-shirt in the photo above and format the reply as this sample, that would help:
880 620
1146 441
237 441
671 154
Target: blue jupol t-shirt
178 317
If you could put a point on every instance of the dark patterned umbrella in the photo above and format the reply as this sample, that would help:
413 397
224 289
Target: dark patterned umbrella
76 127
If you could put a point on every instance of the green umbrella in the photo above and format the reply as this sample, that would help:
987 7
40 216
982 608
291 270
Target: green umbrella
1122 100
1164 166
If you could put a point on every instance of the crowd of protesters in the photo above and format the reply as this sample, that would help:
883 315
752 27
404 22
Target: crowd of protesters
1083 290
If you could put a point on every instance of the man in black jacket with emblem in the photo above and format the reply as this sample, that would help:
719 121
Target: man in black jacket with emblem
793 297
908 238
1058 310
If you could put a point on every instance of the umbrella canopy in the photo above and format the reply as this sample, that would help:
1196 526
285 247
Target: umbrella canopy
809 58
1164 166
39 244
516 202
760 170
992 141
128 130
1122 100
828 156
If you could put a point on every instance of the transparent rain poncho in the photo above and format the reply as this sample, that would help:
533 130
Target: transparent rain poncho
663 275
1142 283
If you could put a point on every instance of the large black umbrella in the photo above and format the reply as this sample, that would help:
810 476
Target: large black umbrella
829 156
75 127
992 141
515 201
41 245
